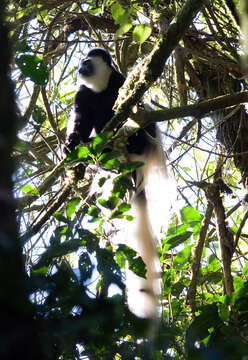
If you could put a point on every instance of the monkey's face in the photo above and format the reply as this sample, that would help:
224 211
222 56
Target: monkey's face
95 72
86 67
92 65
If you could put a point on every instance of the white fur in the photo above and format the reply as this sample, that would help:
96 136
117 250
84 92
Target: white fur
143 294
144 232
70 124
97 82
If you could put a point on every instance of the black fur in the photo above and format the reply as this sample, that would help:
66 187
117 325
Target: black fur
104 54
94 109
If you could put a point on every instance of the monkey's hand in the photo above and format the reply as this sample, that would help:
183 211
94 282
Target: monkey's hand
71 142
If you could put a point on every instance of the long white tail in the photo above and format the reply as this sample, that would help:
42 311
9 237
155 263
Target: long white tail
150 206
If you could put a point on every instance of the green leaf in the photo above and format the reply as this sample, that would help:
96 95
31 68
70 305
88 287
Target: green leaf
141 33
190 216
111 203
129 167
177 288
81 152
118 214
173 241
110 160
117 12
129 217
42 16
213 264
28 189
88 239
85 267
121 185
123 29
135 263
34 68
176 230
224 312
182 257
99 142
198 330
137 266
168 279
61 217
21 146
124 207
58 250
121 17
95 11
211 277
238 283
94 213
102 181
71 206
245 269
42 271
156 3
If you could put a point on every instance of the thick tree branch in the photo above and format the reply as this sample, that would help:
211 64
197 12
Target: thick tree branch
145 117
197 110
148 71
18 333
224 235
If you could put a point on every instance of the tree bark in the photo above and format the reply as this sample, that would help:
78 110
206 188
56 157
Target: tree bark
18 336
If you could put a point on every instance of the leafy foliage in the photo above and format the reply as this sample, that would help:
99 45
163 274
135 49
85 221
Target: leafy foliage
33 67
141 33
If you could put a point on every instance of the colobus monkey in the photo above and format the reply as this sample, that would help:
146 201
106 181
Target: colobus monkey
93 109
95 99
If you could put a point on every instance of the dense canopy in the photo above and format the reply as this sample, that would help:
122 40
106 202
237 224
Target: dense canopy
63 281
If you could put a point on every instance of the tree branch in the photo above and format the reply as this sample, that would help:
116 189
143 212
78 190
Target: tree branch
49 212
197 257
18 333
199 110
224 235
148 70
47 183
48 110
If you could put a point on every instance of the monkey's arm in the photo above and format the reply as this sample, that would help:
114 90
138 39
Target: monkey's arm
81 124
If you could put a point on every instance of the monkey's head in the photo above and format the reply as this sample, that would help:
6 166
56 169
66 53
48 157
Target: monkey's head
96 69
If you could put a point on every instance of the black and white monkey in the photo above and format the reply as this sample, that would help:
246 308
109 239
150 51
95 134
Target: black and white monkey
93 108
95 100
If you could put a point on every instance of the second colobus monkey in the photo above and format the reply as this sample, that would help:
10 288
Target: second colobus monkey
93 109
